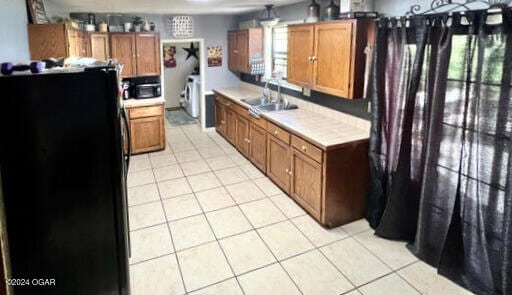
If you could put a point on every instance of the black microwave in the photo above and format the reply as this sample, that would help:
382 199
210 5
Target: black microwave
145 87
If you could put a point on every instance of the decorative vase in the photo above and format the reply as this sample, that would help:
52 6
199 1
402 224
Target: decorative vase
127 27
332 11
145 26
313 12
152 26
136 27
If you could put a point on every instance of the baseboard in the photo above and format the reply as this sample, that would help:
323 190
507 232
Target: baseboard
209 129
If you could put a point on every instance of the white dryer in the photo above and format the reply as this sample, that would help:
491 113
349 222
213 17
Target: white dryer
191 103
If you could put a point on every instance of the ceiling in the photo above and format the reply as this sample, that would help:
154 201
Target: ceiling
168 6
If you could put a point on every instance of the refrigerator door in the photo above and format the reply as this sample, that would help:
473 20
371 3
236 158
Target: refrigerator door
63 182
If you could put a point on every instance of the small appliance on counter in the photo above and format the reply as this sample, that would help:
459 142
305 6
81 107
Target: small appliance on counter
145 87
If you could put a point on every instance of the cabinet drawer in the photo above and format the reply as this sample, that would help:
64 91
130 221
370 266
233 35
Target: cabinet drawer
307 148
259 122
142 112
278 132
244 113
220 100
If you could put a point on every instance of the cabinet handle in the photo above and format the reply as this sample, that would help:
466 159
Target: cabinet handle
304 148
314 58
222 122
310 58
290 173
248 140
287 171
275 133
228 104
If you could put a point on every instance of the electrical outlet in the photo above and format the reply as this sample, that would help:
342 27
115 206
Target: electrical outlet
369 107
306 91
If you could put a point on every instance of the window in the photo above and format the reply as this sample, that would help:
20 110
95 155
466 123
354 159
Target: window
279 48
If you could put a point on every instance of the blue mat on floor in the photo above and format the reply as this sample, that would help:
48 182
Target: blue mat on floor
179 118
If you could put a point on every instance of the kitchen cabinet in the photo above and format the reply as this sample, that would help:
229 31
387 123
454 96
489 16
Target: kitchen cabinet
138 52
330 57
242 46
146 127
56 40
220 117
258 146
100 46
329 182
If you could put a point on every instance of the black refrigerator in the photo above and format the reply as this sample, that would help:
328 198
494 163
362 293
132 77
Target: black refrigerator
63 171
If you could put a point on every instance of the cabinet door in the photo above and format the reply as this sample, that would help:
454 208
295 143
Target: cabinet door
300 53
100 46
148 54
123 48
147 134
242 134
230 125
333 51
306 183
220 118
258 146
48 40
278 162
242 43
74 43
232 52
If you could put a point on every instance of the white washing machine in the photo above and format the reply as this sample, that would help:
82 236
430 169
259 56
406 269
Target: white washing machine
191 101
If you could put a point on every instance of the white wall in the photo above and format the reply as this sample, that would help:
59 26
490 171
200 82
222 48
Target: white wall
13 31
175 78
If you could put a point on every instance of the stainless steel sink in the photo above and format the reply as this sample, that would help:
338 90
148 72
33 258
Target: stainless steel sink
255 101
274 107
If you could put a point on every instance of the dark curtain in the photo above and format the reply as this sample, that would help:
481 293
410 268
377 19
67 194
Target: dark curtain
440 149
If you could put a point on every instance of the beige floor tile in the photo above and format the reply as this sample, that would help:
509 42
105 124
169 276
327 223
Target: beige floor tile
150 242
227 148
316 233
314 274
251 171
261 213
181 207
143 194
162 160
246 252
203 182
204 142
195 167
228 221
215 199
238 158
159 276
188 156
268 187
268 280
140 178
139 156
174 187
355 292
182 147
391 284
139 164
191 231
146 215
204 265
173 131
285 240
210 152
356 227
231 175
166 151
219 163
288 206
354 261
426 280
245 192
168 172
228 287
393 253
178 139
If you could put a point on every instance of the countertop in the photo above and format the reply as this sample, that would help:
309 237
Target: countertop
132 102
324 132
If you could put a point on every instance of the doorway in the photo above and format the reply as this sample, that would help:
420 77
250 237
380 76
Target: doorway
177 72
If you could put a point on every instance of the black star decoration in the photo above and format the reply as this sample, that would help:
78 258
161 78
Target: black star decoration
192 51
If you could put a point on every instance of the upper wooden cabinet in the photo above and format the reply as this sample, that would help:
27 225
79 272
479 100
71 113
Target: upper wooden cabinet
56 40
138 52
330 57
242 46
100 46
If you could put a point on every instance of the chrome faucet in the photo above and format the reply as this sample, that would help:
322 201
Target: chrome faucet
267 93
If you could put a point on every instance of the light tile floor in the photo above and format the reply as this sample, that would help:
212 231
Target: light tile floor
203 220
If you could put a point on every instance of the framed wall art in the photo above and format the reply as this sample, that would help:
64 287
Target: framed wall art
37 11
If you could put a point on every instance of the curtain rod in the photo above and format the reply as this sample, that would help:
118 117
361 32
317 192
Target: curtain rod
448 6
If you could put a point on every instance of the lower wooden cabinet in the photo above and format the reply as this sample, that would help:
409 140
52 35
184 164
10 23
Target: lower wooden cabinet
306 182
258 146
329 184
146 128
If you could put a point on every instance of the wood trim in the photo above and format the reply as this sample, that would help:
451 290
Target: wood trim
306 148
278 132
